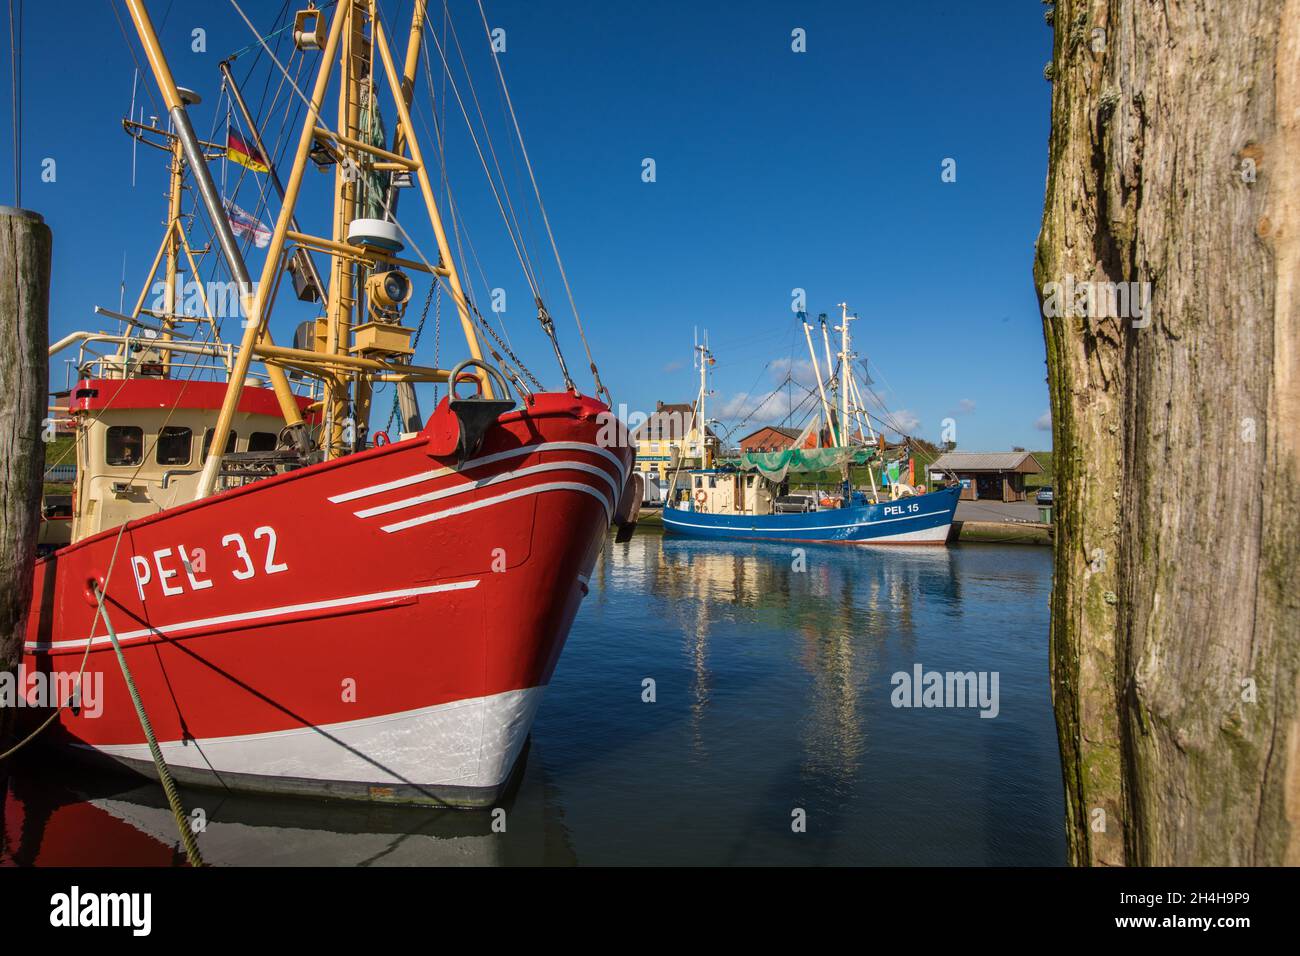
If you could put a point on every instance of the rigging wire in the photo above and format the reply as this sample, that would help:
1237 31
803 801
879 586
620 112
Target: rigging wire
470 308
131 49
491 149
235 4
600 388
524 260
520 252
453 209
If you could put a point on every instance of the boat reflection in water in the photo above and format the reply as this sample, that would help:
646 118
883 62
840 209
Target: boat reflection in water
710 692
826 605
772 667
61 815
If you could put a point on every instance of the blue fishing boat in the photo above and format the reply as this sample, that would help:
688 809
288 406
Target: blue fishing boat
915 519
751 499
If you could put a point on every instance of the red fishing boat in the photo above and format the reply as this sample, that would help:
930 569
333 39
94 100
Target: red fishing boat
309 608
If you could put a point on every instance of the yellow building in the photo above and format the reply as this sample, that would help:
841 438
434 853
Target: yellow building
673 438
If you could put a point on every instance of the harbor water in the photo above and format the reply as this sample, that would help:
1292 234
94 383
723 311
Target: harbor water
716 703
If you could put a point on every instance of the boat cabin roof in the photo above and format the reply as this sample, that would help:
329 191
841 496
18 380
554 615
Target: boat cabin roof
116 394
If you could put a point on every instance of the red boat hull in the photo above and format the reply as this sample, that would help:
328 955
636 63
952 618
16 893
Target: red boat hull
381 626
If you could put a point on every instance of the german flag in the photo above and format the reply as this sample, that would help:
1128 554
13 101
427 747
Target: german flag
239 151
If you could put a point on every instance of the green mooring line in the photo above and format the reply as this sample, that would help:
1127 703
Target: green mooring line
164 775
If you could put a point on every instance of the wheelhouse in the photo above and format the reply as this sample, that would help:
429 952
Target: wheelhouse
717 491
141 443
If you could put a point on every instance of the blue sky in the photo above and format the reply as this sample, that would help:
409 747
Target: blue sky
775 170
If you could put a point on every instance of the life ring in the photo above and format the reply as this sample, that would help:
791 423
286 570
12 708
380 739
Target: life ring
700 496
381 435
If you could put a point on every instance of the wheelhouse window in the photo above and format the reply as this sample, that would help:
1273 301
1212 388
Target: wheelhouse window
124 445
262 441
175 444
207 442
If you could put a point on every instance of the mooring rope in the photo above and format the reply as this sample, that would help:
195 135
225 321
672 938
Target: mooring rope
164 775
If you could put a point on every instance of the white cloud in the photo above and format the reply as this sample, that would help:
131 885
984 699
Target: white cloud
1044 421
965 406
673 367
776 402
906 420
800 370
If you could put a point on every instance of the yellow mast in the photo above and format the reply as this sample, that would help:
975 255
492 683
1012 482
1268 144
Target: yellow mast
341 357
194 151
338 310
422 174
176 183
413 43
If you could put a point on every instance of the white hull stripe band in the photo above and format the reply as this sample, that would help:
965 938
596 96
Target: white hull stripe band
493 480
479 462
264 614
497 499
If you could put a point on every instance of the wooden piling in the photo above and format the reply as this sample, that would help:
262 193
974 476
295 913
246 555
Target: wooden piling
25 247
1175 662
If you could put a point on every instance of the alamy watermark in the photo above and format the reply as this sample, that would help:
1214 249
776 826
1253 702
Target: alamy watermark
133 911
218 300
922 688
39 689
668 424
1086 299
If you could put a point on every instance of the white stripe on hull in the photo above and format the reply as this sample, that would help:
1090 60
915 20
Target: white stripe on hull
497 499
465 743
263 614
442 493
519 452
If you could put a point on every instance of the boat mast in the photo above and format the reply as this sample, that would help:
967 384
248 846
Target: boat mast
175 185
817 372
846 373
193 151
303 258
447 264
831 378
354 62
407 400
706 358
346 306
174 243
362 290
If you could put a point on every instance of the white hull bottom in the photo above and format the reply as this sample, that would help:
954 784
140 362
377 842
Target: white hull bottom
937 535
461 752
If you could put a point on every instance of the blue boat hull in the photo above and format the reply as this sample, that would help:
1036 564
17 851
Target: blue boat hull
923 519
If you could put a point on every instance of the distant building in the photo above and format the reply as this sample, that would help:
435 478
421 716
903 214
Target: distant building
672 436
769 438
988 476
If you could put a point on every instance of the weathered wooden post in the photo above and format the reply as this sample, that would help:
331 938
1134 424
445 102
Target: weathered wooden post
1167 271
25 246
